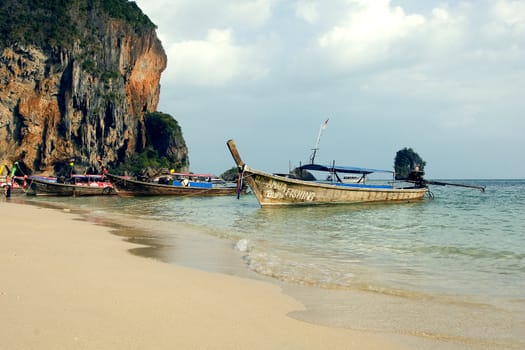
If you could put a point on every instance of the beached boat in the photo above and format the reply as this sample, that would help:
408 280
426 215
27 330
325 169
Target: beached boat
77 185
275 190
179 187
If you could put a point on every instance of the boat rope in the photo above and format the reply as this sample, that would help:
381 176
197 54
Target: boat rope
197 192
240 181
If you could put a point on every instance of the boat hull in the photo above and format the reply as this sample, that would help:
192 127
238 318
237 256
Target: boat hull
37 187
129 187
272 190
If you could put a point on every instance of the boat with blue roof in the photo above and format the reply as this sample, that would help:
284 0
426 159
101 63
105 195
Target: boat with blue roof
290 189
174 184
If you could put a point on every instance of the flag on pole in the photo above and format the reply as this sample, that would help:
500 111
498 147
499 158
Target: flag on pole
326 123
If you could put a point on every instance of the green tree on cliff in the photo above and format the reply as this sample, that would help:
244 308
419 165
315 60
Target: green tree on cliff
164 134
165 146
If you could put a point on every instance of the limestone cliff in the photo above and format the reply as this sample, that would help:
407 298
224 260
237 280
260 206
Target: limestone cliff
77 92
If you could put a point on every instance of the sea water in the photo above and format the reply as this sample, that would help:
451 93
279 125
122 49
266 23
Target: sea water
462 246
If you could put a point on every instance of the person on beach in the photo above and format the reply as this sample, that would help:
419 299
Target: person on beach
104 170
7 187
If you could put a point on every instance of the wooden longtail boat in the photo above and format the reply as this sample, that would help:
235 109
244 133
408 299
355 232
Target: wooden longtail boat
79 185
130 187
275 190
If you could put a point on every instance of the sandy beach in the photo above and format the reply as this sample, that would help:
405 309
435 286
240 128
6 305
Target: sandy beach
70 284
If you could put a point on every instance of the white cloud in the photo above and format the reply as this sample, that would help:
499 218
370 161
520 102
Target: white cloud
444 30
252 12
191 19
307 10
368 32
200 40
214 61
511 14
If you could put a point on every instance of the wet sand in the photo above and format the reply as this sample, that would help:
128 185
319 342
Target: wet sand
69 284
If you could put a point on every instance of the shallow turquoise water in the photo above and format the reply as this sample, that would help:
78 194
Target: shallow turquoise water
463 243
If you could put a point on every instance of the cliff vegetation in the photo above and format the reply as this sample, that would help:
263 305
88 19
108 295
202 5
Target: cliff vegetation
52 23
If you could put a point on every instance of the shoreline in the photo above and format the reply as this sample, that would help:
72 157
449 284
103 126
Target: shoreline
67 283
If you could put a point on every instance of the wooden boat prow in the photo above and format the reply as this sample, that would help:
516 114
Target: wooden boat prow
273 190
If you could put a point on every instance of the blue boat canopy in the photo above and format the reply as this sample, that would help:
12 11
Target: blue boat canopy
342 169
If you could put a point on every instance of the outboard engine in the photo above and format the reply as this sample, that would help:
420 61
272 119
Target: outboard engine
416 177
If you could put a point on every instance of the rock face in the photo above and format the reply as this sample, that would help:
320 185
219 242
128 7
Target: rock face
82 99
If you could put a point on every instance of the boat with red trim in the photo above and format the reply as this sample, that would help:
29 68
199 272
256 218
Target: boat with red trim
76 185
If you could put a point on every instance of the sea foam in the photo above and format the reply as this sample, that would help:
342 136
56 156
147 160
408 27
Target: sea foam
242 245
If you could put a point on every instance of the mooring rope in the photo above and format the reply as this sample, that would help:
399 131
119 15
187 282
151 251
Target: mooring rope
240 181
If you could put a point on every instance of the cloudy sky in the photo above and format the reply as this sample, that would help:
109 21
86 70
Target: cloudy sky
446 78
